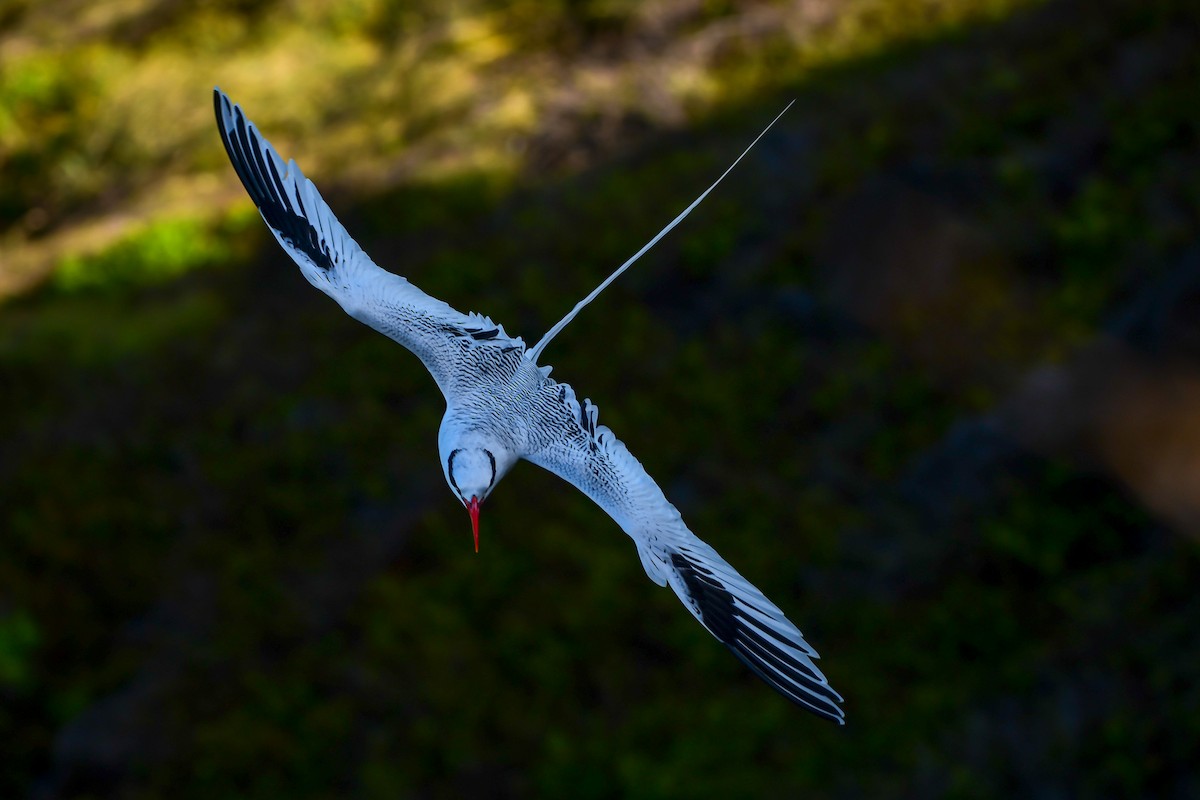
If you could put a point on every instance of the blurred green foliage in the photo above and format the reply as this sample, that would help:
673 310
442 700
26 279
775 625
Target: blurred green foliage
18 640
96 105
217 490
162 251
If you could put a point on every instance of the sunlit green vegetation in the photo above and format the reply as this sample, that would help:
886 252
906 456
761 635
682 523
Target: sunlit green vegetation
159 252
108 108
218 491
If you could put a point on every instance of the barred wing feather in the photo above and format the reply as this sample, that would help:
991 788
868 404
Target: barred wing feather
588 456
332 261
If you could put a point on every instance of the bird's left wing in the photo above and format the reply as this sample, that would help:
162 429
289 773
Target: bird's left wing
444 339
588 456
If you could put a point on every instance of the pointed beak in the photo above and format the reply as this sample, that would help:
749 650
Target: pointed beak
473 508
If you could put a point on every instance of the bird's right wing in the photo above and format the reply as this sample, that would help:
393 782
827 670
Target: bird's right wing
588 456
444 339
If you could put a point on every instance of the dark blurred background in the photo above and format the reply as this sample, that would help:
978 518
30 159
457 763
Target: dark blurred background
926 368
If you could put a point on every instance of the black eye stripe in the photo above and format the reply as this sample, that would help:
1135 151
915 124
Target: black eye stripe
492 459
450 470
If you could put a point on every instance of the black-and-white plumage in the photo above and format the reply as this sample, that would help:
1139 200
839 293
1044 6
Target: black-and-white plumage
501 407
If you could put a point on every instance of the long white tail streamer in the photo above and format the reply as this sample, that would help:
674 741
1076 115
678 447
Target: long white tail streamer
536 352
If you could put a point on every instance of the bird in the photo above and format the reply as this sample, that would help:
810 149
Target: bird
502 406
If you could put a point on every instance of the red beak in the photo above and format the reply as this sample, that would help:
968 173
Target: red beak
473 508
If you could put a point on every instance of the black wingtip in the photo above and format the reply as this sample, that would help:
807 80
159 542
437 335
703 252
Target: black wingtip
256 165
219 99
752 644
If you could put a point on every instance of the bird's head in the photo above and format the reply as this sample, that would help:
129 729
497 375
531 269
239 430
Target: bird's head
472 472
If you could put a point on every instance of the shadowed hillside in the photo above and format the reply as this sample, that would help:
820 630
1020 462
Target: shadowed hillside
923 368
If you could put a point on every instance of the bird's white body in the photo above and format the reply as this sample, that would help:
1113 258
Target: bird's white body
502 407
